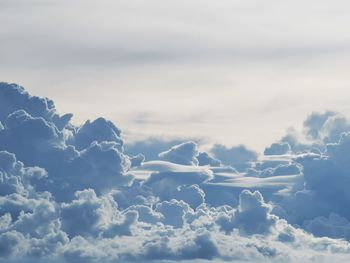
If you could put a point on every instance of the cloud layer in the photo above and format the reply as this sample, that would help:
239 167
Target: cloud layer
72 194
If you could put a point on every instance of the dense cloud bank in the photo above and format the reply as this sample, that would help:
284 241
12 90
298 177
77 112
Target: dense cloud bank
72 194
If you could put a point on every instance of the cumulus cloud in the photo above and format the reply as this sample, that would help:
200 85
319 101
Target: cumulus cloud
67 153
150 147
72 194
205 159
239 157
14 97
277 149
184 153
333 226
252 215
99 130
327 126
97 216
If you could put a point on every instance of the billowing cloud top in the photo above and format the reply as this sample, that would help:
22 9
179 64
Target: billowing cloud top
71 194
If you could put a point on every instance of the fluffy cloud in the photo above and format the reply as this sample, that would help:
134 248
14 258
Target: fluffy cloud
169 181
327 126
72 194
326 180
150 147
67 154
205 159
239 157
184 153
333 226
97 216
99 130
14 97
252 216
277 149
11 243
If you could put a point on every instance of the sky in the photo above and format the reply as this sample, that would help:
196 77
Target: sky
174 131
218 71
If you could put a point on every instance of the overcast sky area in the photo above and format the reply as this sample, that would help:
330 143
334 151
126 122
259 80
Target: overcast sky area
217 70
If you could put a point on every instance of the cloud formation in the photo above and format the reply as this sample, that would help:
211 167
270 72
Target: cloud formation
72 194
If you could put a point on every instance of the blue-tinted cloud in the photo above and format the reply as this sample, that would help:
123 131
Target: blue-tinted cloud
239 157
277 149
151 147
14 97
327 126
99 130
71 194
205 159
184 153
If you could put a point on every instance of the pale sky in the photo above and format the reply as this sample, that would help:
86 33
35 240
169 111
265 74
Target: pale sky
226 71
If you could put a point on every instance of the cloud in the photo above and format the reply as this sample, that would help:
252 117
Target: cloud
34 136
277 149
14 97
239 157
282 169
66 154
150 147
327 126
252 216
72 194
137 160
325 182
176 181
192 195
97 216
333 226
173 212
205 159
184 153
11 243
99 130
